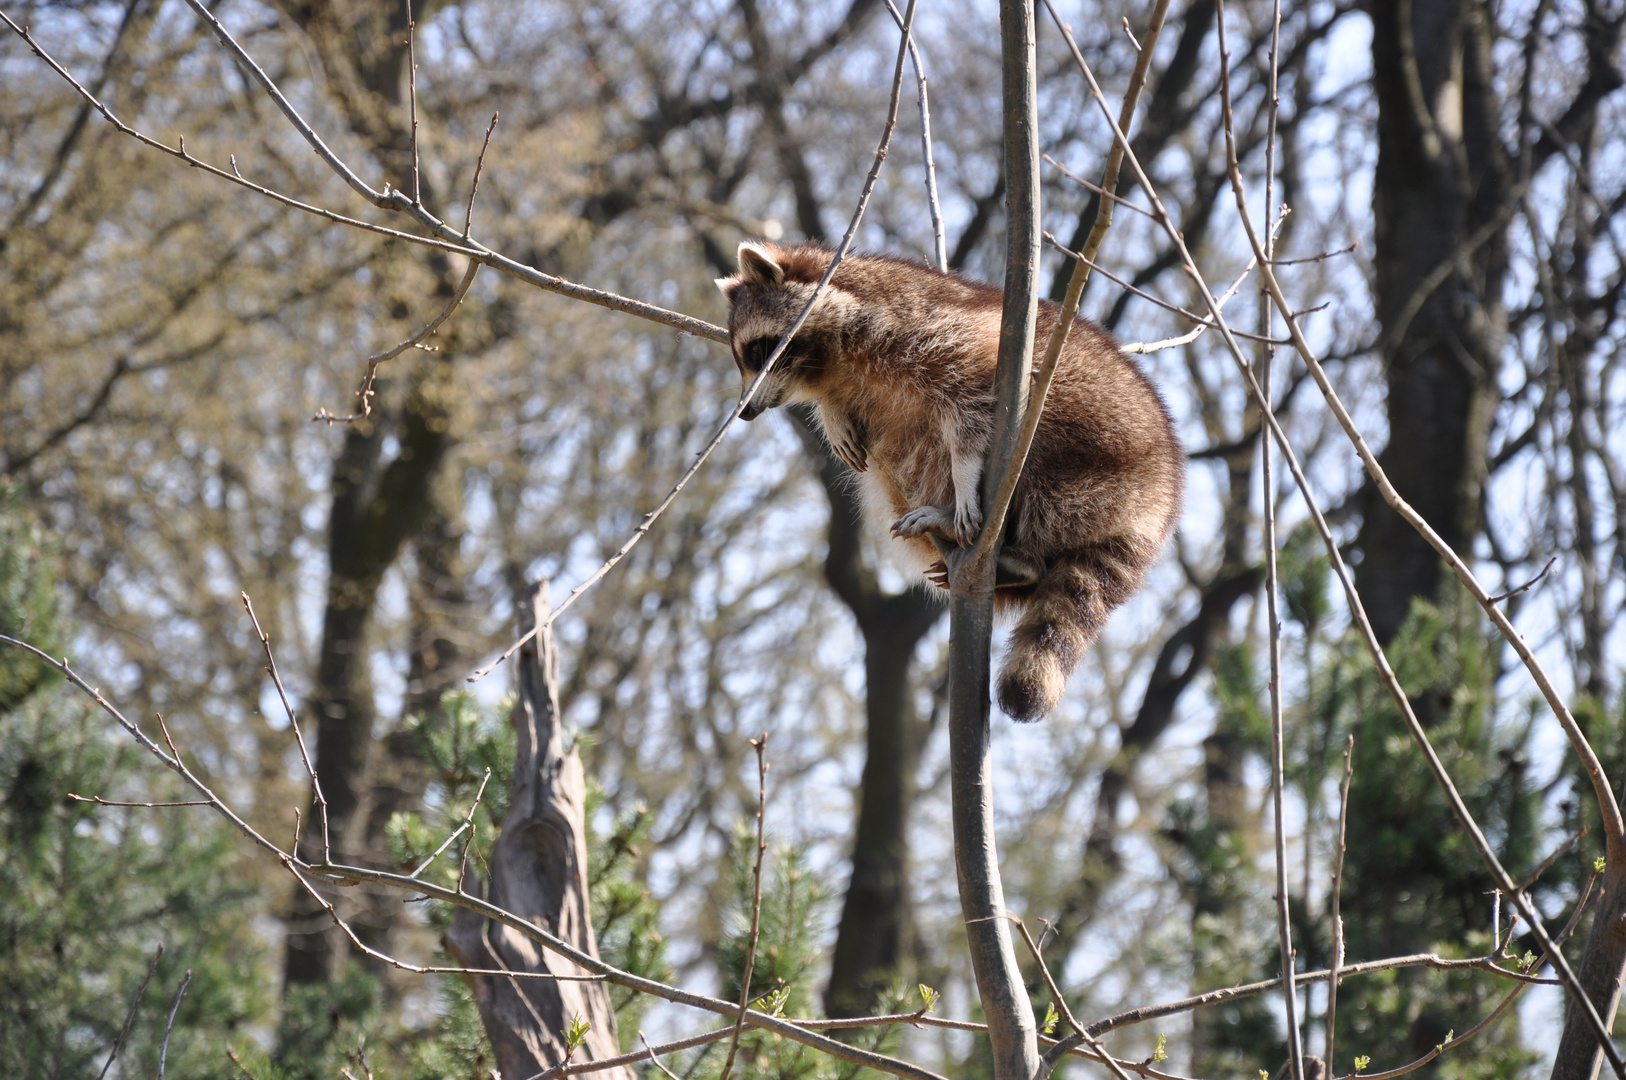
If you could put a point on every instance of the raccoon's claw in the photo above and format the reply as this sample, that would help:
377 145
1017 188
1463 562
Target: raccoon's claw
923 520
845 441
938 574
966 527
851 455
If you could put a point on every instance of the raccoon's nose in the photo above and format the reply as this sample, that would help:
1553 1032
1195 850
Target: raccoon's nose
752 410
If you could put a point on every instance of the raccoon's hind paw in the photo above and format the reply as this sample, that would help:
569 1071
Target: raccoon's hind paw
938 574
922 520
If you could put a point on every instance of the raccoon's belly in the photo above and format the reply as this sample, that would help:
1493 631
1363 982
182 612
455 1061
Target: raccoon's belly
884 503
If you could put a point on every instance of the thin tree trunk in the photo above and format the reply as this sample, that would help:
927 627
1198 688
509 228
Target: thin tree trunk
1011 1029
538 871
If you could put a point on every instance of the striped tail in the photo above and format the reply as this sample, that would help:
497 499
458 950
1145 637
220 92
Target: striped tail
1063 617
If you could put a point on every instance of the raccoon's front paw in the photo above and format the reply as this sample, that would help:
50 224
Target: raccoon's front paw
923 520
845 442
850 454
938 574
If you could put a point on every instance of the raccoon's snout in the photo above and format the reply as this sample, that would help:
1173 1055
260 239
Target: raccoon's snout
771 395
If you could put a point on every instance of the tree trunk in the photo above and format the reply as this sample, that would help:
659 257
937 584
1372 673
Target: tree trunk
874 937
539 872
1442 179
373 512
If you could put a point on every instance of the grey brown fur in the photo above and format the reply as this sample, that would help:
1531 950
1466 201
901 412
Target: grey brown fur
899 360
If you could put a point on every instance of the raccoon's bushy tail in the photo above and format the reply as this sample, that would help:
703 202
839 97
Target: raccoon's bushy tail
1063 616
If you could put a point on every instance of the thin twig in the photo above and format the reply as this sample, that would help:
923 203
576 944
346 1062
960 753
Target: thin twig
1143 347
654 1059
1527 586
412 97
1202 323
169 1025
1337 897
1047 1063
99 801
760 746
1547 863
293 722
129 1017
762 376
365 394
933 205
1267 484
349 932
1318 257
479 163
468 819
1097 189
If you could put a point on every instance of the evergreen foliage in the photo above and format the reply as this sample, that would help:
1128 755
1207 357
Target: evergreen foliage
91 891
1412 880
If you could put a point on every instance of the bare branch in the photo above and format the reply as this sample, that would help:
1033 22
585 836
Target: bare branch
454 244
365 394
1337 895
412 98
933 205
129 1018
760 746
1047 1064
474 188
293 722
99 801
169 1025
468 820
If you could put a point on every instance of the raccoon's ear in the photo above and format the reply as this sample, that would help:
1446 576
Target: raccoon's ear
759 266
728 286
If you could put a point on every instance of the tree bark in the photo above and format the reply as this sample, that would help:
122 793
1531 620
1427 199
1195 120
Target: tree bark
1442 176
874 937
374 511
538 871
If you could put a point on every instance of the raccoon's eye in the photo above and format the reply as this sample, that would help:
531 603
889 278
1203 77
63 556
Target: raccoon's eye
757 353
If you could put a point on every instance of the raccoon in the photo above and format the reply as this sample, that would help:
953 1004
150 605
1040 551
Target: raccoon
899 361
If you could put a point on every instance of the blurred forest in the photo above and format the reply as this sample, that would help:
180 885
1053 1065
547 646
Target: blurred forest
1456 178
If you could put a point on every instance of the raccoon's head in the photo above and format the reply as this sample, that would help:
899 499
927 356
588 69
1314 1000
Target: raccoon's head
764 298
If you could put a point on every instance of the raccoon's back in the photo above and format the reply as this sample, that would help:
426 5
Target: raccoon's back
1106 466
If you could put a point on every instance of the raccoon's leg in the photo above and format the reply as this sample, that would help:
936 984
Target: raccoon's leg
959 523
1062 618
845 441
968 445
1015 570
